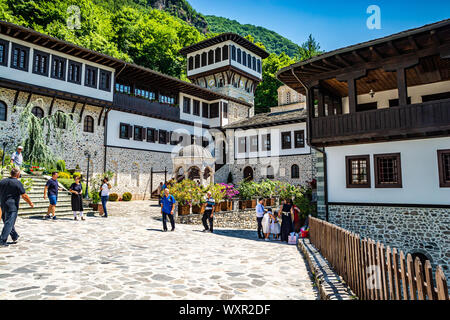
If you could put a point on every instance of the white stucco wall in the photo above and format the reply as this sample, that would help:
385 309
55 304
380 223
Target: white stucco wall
415 93
420 175
275 137
49 82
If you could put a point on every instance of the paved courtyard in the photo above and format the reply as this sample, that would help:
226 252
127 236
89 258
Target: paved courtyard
128 257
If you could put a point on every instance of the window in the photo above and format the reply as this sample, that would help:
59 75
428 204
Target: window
395 103
205 142
4 45
123 88
214 110
299 137
358 171
105 80
225 110
218 55
270 172
259 66
239 56
173 138
88 124
60 120
3 111
286 140
38 112
166 99
436 96
40 63
58 70
444 168
295 172
210 57
233 53
90 79
288 97
74 72
225 52
266 142
197 61
242 145
365 107
138 133
149 95
254 63
204 59
151 135
196 108
20 56
191 63
205 110
163 136
254 144
388 171
244 58
186 105
125 131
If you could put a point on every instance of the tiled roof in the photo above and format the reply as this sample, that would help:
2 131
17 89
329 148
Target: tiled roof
270 119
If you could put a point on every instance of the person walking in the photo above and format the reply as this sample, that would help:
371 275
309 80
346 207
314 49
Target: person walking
76 189
286 212
104 195
167 208
159 192
11 189
17 158
208 216
259 217
51 190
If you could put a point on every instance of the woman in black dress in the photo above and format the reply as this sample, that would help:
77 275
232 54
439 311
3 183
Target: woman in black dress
77 198
286 219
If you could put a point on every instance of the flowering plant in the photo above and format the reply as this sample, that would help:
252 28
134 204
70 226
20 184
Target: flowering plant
229 191
186 192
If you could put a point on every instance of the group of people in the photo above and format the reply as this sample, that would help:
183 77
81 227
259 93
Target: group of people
269 221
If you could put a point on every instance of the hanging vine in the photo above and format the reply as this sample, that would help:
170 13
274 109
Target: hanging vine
39 133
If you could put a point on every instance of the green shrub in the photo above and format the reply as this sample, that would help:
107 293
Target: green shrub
61 165
113 197
127 196
76 174
68 182
64 175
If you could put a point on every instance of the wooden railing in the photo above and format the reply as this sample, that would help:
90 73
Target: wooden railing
374 272
415 118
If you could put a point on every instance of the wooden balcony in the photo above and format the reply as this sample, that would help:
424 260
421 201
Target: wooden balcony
415 120
143 106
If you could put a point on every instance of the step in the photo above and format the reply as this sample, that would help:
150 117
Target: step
61 213
34 211
42 205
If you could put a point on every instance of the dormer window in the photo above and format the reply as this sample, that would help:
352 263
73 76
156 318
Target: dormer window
58 68
40 63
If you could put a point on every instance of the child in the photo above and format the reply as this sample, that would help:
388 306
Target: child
275 226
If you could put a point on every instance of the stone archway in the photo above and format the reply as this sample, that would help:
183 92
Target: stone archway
248 173
194 173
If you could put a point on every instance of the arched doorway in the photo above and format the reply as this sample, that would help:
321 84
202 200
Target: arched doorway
248 173
179 174
194 173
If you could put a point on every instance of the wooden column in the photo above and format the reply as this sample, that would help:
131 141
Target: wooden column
351 83
400 69
321 104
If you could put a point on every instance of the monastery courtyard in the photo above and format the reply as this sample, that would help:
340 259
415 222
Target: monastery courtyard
126 256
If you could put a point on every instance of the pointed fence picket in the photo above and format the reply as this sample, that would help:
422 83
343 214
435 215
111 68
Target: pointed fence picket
373 271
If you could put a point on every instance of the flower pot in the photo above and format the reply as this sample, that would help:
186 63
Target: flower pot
184 210
226 205
199 208
242 204
97 207
37 173
251 204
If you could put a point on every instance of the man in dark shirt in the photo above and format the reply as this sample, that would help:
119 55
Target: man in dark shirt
11 189
51 189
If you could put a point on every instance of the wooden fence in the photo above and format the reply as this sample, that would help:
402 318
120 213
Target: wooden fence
373 271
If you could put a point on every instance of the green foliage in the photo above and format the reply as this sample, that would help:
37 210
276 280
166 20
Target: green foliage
217 192
127 196
76 174
61 165
310 48
186 192
273 42
96 183
68 182
64 175
248 190
113 197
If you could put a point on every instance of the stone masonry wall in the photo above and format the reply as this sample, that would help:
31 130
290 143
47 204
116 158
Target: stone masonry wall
231 219
73 150
421 230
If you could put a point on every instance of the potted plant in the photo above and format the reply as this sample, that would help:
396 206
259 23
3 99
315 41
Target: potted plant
95 197
198 200
218 194
246 192
185 192
229 193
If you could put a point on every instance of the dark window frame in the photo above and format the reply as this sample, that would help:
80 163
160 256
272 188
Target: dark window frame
88 124
5 107
196 107
108 75
270 176
296 171
61 122
27 57
38 114
162 134
95 70
36 69
190 63
197 61
266 143
140 133
214 110
70 64
239 55
239 144
218 54
443 182
187 107
302 133
284 145
64 66
233 52
211 57
204 59
129 131
378 183
151 135
5 52
205 107
349 172
225 110
225 55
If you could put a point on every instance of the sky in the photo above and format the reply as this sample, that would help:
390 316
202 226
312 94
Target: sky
334 24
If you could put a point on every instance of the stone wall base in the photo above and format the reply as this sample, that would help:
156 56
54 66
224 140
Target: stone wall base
227 219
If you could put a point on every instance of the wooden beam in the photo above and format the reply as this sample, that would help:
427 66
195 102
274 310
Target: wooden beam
320 67
16 33
402 87
434 38
100 116
413 43
352 96
358 56
81 113
28 99
16 97
37 39
356 74
74 107
391 44
403 64
321 104
375 53
341 59
51 106
325 61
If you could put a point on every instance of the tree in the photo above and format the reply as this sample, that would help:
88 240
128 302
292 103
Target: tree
310 48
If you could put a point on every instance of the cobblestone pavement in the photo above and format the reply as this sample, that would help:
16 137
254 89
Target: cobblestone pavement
126 256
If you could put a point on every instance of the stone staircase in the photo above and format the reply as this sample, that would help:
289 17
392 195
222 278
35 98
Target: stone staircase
36 194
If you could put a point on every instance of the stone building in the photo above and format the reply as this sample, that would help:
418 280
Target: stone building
378 115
